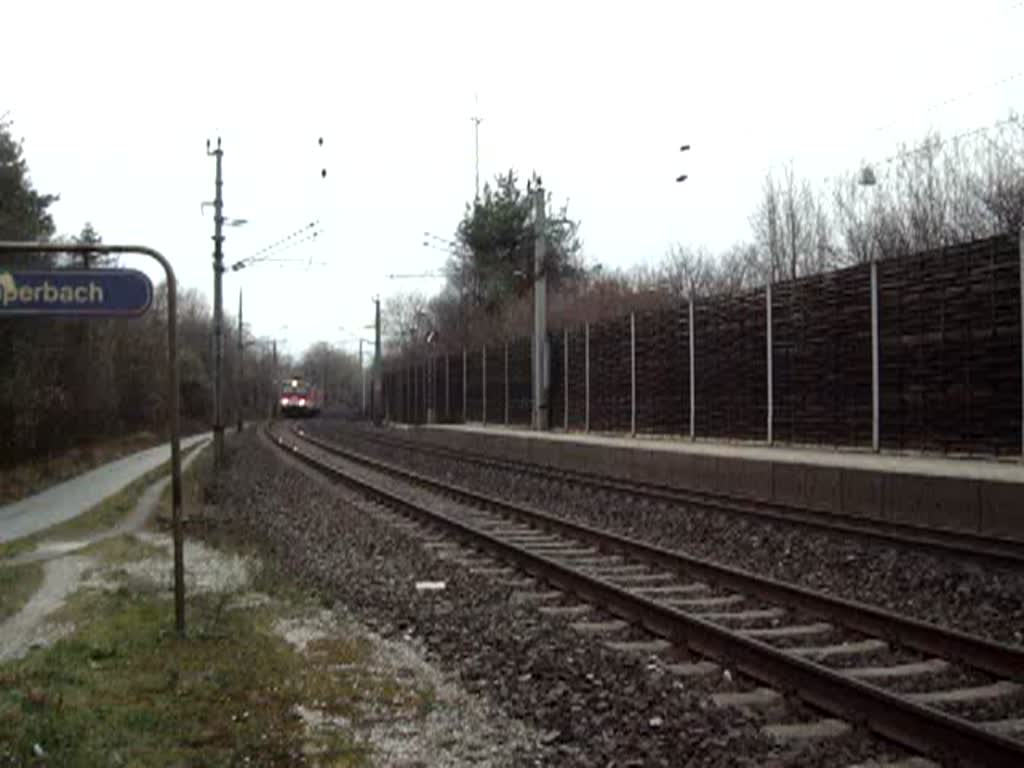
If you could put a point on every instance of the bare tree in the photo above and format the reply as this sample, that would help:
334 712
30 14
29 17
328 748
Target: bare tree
736 270
792 229
998 183
404 321
335 371
687 272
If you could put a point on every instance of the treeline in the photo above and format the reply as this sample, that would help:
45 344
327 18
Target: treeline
934 194
68 382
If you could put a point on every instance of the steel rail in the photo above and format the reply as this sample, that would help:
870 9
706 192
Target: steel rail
987 655
989 549
912 725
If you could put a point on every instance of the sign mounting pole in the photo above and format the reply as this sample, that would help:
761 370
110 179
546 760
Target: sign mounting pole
128 293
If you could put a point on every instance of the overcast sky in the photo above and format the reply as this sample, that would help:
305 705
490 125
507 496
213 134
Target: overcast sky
115 102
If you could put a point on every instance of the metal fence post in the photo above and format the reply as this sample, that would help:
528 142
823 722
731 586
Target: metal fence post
875 392
1021 279
771 392
447 388
693 378
465 384
632 373
483 360
506 383
565 372
586 377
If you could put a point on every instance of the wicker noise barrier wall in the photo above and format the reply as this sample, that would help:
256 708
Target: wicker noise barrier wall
921 352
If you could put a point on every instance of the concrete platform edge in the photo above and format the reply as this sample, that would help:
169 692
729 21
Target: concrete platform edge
967 503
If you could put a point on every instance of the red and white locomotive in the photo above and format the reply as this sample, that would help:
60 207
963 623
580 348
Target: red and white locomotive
300 398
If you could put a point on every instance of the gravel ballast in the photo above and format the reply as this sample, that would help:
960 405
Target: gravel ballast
587 705
945 590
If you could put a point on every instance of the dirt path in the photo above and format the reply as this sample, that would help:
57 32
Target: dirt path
63 574
29 627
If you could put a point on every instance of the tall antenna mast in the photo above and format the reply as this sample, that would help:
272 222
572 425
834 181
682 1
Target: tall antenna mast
476 144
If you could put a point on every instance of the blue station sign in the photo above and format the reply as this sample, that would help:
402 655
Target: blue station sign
96 292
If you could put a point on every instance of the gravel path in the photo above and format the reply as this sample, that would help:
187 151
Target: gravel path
459 729
975 599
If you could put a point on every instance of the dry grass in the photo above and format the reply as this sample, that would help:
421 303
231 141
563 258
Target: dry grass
123 689
17 584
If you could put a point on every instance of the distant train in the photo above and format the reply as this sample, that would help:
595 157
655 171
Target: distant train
300 398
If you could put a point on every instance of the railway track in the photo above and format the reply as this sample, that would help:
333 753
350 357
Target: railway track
951 696
989 550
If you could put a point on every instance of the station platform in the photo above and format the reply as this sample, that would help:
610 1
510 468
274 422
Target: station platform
977 496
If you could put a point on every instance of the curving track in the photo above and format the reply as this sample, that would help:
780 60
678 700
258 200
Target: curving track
989 550
901 678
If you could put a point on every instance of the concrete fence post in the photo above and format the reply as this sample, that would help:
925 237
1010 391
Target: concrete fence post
447 388
876 410
565 372
771 389
632 373
586 377
1021 280
506 383
483 376
693 377
465 384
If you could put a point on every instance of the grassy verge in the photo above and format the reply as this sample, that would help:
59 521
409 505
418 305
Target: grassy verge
17 584
194 481
27 479
125 690
108 513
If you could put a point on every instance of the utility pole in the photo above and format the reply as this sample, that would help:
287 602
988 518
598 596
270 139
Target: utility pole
476 119
326 360
540 330
241 360
218 311
376 363
274 386
362 375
